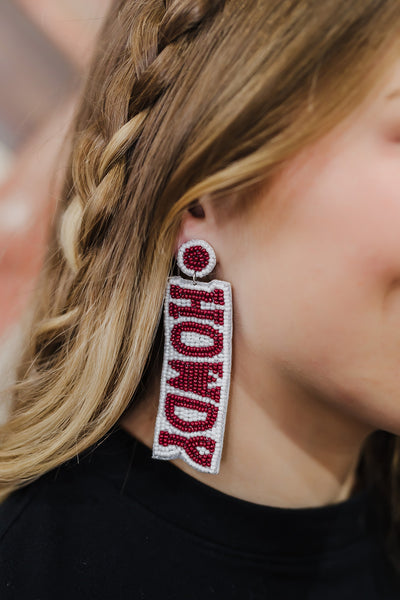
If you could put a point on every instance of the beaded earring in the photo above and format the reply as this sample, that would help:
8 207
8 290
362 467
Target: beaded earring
196 367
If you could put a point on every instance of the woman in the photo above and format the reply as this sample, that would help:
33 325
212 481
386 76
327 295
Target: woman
269 130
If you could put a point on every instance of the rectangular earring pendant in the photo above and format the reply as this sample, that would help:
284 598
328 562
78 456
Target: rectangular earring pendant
196 369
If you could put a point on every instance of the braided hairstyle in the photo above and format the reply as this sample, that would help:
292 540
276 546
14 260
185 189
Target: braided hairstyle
147 65
183 98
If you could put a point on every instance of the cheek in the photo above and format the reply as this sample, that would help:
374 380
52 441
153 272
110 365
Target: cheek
348 211
316 284
314 289
326 237
320 326
306 301
299 299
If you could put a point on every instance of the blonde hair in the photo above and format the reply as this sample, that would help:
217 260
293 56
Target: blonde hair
182 99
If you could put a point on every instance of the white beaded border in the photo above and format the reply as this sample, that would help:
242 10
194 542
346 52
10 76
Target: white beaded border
211 264
217 432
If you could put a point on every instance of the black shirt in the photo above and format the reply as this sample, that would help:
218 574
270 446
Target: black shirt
119 524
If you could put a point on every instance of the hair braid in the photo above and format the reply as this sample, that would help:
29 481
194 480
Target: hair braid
99 185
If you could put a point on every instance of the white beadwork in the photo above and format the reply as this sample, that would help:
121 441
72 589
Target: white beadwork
191 272
195 339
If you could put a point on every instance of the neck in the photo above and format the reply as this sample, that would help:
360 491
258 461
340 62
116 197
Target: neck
283 446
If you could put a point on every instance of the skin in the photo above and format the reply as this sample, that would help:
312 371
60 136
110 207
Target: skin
314 265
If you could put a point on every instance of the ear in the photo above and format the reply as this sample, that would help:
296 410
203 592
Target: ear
196 223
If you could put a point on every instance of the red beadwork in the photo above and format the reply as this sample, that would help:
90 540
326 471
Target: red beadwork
202 329
216 315
190 446
219 296
195 377
173 400
196 258
195 310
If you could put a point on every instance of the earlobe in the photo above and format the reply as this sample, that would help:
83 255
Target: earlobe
188 229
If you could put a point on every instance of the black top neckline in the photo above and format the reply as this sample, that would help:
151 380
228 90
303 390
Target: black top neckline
186 502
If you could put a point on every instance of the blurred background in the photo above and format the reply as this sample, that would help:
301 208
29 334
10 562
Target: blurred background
45 47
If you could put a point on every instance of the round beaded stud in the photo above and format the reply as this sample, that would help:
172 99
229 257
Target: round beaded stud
196 258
